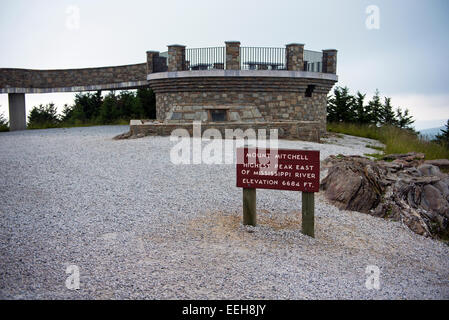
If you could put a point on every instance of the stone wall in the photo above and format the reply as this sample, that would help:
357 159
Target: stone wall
277 99
27 78
156 63
298 130
234 113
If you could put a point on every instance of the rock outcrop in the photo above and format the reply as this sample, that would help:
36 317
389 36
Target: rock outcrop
407 189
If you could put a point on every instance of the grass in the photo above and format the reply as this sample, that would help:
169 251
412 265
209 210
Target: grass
375 147
395 140
378 156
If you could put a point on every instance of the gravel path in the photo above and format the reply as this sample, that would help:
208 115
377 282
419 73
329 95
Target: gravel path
138 227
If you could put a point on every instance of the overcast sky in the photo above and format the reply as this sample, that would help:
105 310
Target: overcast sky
406 58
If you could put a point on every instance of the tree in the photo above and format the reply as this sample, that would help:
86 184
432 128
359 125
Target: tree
340 106
388 116
443 137
129 106
87 107
148 100
374 109
3 123
404 120
67 113
43 116
361 116
109 111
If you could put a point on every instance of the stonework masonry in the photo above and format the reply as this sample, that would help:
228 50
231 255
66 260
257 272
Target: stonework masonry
176 58
232 55
295 56
156 63
297 130
258 98
27 78
276 99
330 61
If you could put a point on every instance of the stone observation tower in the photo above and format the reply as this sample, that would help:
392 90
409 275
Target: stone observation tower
225 87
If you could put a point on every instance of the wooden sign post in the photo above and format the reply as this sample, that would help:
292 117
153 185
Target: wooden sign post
249 207
279 169
308 214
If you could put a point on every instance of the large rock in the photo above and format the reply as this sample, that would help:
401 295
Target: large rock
349 187
440 163
429 170
416 196
405 156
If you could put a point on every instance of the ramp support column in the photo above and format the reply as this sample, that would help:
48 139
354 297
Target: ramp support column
17 112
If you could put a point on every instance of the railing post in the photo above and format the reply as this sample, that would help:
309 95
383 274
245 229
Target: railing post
151 57
176 58
295 56
232 55
330 61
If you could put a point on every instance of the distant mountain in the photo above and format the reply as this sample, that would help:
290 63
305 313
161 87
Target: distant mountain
432 132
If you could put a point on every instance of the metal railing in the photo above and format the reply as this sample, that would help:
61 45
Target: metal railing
260 58
251 58
205 58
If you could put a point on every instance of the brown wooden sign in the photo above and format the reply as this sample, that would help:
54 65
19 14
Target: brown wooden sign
279 169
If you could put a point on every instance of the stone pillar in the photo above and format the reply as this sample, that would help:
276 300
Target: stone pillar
330 61
295 56
176 58
151 60
232 55
17 112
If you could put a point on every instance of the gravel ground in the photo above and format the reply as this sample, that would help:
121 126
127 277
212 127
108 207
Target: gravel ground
139 227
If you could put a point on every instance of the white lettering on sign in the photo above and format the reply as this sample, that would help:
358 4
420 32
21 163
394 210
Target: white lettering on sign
261 181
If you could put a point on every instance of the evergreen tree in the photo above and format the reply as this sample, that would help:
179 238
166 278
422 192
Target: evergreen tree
87 106
67 113
43 116
388 115
109 109
360 114
340 106
374 109
148 100
404 120
128 105
443 137
3 123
